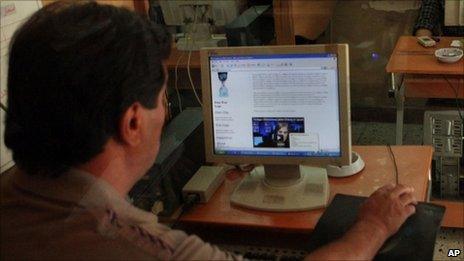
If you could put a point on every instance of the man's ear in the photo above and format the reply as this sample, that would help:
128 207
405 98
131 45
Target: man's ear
130 125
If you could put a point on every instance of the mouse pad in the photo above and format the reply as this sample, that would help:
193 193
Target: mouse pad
415 240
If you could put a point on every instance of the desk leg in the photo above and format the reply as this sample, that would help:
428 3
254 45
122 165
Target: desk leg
399 99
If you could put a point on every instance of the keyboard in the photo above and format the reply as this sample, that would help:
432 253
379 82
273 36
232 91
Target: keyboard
265 253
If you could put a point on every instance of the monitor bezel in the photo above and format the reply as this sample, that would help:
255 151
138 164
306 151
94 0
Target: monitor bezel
342 52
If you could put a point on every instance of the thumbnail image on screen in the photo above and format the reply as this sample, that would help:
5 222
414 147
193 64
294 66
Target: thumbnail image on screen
223 91
275 132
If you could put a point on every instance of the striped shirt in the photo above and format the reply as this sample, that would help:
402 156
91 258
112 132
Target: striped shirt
431 17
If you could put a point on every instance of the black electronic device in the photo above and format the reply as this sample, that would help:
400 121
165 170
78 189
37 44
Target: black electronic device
177 161
255 26
418 232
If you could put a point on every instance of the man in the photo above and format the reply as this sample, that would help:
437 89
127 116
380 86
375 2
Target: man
85 90
282 135
440 17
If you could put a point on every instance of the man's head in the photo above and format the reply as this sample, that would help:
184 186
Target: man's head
81 76
282 131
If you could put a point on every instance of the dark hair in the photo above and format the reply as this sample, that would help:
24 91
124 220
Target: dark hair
74 68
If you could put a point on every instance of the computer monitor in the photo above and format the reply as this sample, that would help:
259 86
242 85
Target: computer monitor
197 17
221 12
283 107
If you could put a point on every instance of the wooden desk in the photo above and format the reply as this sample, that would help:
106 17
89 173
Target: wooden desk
454 215
424 76
175 54
413 166
182 74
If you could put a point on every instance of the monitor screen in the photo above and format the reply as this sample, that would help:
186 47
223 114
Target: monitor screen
275 105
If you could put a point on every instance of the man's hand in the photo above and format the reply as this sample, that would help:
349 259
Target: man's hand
423 32
388 208
380 216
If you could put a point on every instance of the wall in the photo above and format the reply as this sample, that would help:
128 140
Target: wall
13 14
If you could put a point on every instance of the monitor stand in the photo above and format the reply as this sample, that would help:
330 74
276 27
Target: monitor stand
282 188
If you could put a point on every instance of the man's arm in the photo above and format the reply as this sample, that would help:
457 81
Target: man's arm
379 218
429 17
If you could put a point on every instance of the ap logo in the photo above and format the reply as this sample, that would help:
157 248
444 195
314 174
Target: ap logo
454 252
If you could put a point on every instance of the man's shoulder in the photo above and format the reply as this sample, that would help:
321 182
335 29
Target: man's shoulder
80 234
72 229
160 241
150 237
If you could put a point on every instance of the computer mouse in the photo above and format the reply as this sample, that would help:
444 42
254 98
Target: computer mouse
396 239
422 219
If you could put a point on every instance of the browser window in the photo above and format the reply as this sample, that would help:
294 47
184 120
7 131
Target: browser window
276 105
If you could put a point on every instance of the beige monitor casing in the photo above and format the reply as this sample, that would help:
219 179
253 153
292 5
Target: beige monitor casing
344 95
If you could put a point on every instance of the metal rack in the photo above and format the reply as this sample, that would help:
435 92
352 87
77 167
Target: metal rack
444 131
